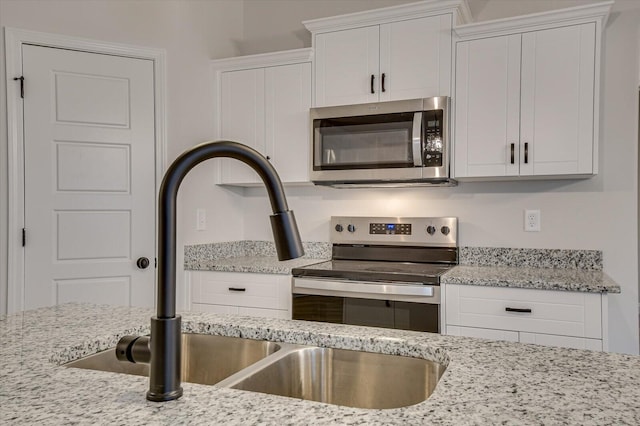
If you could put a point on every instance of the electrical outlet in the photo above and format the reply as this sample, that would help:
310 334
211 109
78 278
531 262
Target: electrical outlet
532 220
201 219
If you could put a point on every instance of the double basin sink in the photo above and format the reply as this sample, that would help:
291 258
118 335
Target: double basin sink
333 376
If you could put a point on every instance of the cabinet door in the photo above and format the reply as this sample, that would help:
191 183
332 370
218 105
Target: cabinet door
561 341
487 107
344 63
265 313
558 68
216 309
288 99
484 333
415 58
242 119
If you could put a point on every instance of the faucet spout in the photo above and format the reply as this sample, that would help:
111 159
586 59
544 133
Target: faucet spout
165 343
284 226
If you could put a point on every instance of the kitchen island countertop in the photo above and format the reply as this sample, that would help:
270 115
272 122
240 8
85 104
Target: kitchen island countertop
486 382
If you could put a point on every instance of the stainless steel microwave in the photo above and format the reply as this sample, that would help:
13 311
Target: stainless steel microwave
397 143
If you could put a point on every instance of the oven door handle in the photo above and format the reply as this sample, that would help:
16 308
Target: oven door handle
416 139
367 287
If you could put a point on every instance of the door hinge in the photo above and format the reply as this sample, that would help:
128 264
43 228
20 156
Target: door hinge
21 78
24 237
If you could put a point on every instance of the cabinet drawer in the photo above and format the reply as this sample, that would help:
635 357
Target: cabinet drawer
534 311
241 289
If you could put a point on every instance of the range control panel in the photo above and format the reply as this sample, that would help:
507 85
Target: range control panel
390 228
417 231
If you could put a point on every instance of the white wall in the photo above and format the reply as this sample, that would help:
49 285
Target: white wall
599 213
192 32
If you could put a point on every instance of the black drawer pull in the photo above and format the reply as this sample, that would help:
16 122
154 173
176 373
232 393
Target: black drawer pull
373 78
513 152
522 310
237 289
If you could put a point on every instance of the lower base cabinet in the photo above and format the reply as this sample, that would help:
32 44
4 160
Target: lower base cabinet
536 338
544 317
259 295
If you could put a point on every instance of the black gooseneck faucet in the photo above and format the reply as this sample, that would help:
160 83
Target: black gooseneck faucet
163 348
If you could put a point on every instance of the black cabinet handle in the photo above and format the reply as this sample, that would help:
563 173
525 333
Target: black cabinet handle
383 89
237 289
526 152
513 153
373 78
521 310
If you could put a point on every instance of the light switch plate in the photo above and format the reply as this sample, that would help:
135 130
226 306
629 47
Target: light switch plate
201 219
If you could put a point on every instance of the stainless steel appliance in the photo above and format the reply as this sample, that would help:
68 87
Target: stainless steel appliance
399 143
384 272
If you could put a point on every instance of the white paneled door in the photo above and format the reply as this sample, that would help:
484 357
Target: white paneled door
89 178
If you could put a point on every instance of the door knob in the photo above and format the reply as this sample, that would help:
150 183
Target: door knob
142 263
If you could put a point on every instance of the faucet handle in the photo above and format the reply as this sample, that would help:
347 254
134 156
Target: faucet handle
134 349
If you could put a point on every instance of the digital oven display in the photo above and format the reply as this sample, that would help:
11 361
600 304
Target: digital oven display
390 228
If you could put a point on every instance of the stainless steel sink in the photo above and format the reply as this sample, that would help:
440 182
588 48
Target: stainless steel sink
333 376
343 377
206 359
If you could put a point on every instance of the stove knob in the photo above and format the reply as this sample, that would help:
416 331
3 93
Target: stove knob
445 230
351 228
339 228
431 230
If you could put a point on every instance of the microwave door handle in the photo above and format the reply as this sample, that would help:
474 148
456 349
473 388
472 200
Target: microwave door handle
416 139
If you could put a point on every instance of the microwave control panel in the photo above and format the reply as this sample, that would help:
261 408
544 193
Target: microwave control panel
433 143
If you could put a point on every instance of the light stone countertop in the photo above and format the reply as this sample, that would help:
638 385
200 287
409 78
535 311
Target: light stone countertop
253 264
531 278
486 382
545 269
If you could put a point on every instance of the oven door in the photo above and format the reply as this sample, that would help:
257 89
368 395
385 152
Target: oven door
405 306
385 146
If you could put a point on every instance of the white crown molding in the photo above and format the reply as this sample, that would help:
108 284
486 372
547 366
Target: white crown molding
391 14
464 15
285 57
574 15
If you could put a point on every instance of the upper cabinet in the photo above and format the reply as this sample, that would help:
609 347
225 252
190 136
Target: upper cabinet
400 52
263 101
526 95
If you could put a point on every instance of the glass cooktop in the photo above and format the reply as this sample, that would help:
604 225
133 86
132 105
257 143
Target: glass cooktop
358 270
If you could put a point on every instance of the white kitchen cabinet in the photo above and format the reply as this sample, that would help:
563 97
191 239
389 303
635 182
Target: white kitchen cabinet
546 317
526 96
263 101
401 52
264 295
483 333
563 341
